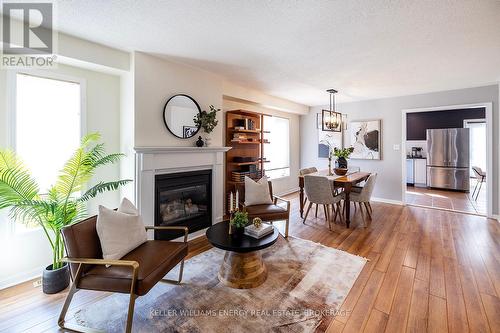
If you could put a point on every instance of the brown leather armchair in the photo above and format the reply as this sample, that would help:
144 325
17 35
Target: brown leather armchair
135 274
267 212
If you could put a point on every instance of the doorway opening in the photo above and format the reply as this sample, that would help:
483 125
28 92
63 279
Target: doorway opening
447 157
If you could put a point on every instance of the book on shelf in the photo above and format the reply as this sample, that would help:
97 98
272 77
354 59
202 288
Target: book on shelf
264 230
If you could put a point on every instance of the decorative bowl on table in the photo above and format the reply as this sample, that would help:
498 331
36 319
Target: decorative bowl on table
340 171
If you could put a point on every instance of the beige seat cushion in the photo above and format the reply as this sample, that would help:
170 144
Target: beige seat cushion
257 193
120 231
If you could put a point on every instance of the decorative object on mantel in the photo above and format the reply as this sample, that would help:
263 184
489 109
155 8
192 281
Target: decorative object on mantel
207 121
61 205
178 115
199 142
366 139
331 120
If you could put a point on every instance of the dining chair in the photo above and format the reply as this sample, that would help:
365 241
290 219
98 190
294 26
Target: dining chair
319 191
308 171
481 178
363 197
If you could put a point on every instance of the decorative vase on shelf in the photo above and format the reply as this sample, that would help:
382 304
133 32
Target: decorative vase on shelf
199 142
329 166
342 163
208 141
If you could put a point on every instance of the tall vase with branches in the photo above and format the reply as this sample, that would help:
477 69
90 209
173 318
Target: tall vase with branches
63 203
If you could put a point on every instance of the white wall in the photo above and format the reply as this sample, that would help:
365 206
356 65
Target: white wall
390 111
155 81
31 249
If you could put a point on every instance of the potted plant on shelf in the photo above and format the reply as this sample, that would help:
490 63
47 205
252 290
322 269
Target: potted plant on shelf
342 155
238 223
207 121
61 205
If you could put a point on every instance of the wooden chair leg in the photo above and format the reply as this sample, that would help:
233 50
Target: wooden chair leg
368 210
316 213
307 212
287 222
370 206
324 209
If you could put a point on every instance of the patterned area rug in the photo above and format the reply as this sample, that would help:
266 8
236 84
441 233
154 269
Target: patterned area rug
307 282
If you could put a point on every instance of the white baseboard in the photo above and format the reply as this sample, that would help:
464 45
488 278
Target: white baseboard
388 201
21 277
293 190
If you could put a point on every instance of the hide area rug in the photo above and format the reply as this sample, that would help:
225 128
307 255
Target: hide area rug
305 287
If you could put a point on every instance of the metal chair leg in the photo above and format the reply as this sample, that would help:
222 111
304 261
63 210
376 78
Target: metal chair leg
316 214
475 188
479 190
181 271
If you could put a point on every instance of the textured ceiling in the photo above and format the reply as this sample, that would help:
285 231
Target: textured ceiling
297 49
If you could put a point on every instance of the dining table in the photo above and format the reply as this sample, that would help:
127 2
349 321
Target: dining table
345 182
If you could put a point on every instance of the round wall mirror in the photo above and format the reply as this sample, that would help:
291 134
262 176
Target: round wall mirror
179 113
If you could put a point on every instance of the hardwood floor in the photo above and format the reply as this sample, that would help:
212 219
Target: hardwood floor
429 271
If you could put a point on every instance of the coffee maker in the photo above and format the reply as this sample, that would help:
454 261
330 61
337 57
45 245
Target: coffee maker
416 152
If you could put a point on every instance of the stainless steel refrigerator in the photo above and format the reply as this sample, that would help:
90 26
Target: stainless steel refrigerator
448 158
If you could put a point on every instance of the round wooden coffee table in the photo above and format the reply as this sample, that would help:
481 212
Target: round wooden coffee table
242 267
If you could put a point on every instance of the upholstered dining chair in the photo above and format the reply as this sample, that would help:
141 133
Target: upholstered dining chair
320 192
308 171
135 274
363 197
267 212
480 178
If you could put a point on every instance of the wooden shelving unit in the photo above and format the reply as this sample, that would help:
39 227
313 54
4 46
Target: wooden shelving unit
244 125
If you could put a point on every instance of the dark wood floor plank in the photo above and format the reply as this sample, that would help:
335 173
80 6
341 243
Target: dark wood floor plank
398 316
457 316
418 316
438 320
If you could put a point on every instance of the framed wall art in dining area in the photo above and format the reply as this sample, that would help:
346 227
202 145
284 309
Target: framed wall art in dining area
365 136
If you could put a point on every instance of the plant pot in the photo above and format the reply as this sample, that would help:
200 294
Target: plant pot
340 171
55 280
238 232
341 163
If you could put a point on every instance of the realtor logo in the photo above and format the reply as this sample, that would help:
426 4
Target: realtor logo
27 34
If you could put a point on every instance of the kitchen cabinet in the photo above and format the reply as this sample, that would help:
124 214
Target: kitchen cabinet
409 172
420 172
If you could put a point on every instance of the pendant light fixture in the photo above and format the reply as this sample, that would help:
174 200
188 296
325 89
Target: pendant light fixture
331 120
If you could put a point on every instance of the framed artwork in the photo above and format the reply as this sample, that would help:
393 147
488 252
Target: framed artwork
325 138
365 136
189 131
331 121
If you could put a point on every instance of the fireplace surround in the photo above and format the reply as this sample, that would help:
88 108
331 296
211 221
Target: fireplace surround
161 161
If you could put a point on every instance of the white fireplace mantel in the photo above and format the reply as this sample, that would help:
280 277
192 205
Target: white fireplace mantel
152 161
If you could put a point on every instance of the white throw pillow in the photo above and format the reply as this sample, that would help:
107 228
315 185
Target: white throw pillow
120 231
257 193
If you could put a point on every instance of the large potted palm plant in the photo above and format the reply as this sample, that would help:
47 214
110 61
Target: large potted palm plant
62 204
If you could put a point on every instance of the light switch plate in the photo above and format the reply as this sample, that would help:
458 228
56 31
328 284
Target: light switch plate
395 147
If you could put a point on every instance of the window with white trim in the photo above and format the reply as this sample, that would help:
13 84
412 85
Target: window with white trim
47 124
277 151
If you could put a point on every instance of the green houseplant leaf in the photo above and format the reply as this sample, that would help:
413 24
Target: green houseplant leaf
62 204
